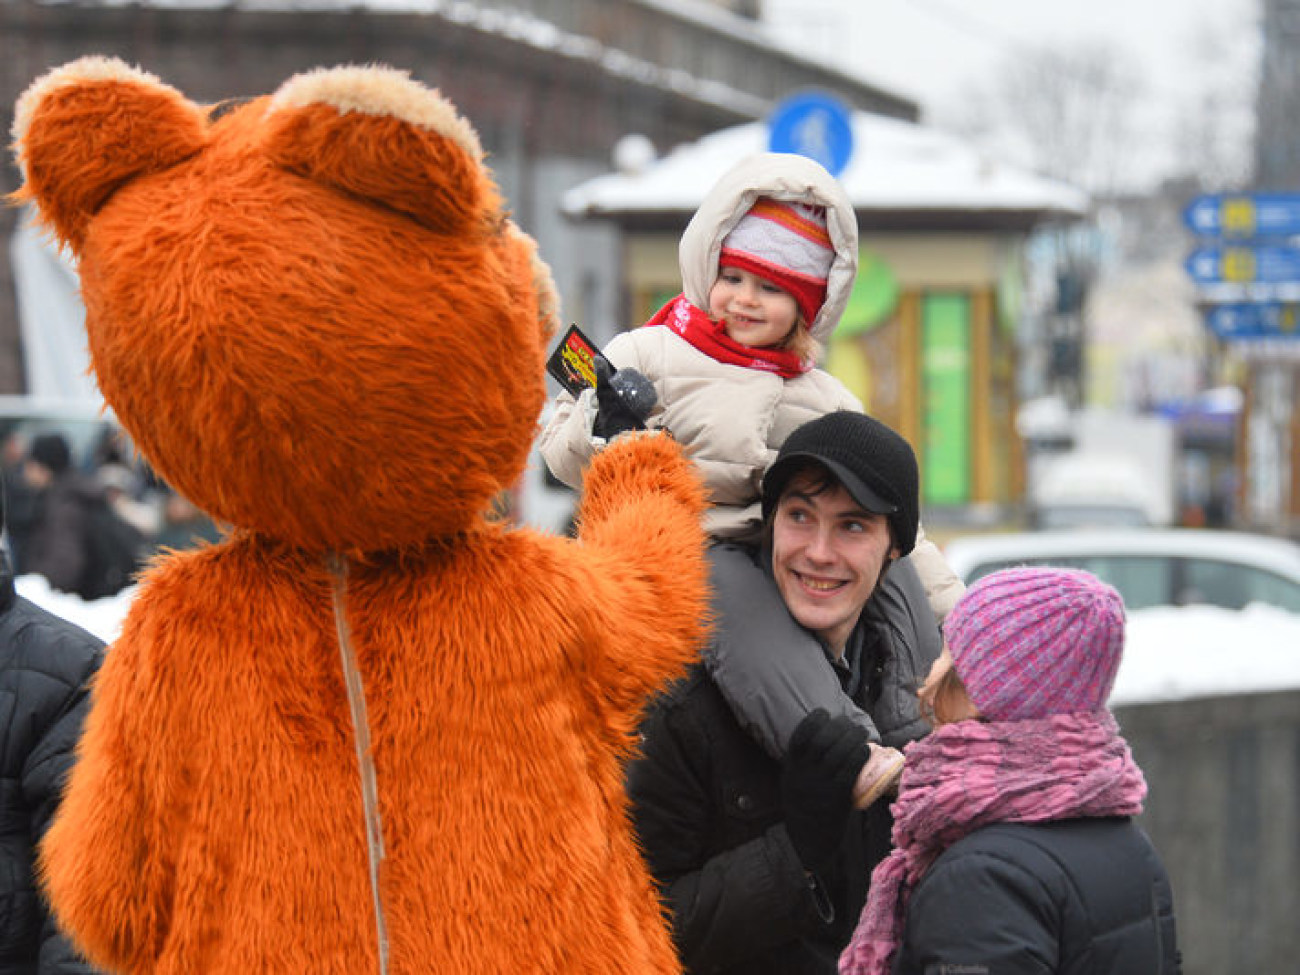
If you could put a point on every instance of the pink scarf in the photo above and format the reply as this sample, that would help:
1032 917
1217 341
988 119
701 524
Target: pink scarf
970 774
711 338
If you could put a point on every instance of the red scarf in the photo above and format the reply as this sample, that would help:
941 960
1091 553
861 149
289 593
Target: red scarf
711 338
970 774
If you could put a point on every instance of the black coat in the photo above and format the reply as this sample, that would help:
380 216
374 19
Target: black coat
45 664
706 805
1076 897
53 543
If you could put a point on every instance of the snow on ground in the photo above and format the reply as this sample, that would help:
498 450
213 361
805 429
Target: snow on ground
102 617
1172 653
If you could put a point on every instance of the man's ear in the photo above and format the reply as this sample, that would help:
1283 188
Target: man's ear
84 129
375 133
886 564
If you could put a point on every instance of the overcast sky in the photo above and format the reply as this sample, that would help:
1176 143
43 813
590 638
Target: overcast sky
937 50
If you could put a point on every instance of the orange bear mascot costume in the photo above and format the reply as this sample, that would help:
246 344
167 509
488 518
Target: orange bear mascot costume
370 731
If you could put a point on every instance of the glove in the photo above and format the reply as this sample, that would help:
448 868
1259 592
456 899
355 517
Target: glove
624 399
821 766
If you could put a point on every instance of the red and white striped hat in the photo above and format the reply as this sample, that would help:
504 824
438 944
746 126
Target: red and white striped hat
787 244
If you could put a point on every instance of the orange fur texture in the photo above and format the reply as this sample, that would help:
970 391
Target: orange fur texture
314 318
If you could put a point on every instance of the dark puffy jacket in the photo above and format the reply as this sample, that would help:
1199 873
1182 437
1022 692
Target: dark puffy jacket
707 807
45 664
1076 897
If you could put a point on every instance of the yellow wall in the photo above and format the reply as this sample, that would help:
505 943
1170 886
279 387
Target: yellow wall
651 270
940 261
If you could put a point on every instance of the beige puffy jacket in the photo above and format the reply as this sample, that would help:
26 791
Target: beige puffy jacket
731 419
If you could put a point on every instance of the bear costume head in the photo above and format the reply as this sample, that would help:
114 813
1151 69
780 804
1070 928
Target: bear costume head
372 730
243 297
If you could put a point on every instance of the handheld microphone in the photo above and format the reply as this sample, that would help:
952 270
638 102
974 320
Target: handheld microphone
636 392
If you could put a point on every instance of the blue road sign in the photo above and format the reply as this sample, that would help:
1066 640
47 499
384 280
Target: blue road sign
1254 320
1244 216
1259 264
816 125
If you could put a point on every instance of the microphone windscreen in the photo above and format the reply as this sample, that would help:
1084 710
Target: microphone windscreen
635 390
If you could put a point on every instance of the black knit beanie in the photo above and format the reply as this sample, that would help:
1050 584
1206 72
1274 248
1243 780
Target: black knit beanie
875 465
51 450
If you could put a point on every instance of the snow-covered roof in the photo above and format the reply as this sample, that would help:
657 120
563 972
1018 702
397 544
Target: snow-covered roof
896 166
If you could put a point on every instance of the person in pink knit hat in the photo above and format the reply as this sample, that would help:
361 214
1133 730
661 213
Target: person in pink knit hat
1015 850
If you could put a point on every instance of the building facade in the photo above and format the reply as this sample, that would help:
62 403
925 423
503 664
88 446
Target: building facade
551 86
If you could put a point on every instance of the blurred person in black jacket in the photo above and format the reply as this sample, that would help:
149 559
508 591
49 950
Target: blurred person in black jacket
46 664
49 537
71 534
20 499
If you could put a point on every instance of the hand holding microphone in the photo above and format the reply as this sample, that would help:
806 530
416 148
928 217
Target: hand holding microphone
624 398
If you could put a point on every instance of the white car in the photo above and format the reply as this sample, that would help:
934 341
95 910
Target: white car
1150 567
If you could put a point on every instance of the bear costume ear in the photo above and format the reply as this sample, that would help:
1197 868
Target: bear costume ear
84 129
546 295
376 134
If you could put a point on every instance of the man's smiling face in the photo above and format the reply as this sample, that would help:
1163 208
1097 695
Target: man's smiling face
827 555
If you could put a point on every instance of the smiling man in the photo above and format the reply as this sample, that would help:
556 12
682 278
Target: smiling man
831 543
764 861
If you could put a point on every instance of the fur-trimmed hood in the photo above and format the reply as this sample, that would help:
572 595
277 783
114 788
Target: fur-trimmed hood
781 176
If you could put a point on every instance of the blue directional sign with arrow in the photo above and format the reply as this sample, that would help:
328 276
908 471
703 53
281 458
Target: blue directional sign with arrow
1244 216
1262 264
1249 249
1248 320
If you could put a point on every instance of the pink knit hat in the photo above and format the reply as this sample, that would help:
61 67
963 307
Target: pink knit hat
1033 642
787 244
